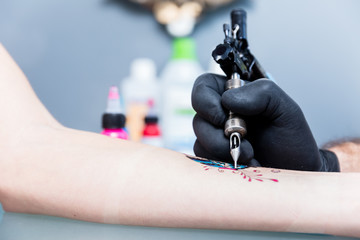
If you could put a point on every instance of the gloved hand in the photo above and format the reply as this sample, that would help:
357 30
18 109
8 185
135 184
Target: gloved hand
278 135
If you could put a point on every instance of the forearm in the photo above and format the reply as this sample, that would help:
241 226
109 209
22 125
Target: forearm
90 177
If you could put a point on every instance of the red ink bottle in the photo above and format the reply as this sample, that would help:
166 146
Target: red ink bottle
113 120
152 133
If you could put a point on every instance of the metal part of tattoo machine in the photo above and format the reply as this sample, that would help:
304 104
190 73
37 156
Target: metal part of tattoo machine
240 66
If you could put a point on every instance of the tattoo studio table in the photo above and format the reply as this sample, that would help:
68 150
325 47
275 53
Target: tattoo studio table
16 226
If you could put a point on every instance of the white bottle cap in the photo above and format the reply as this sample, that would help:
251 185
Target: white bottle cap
143 69
182 26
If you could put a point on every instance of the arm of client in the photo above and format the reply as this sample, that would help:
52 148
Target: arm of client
46 168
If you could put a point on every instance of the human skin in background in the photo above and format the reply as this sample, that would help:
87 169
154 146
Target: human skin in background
46 168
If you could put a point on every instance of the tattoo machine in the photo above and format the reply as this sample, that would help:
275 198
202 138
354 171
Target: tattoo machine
240 67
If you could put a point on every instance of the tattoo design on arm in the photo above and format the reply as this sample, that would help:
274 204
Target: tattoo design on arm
213 163
246 174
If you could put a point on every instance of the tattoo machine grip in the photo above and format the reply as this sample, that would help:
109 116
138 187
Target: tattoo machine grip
238 17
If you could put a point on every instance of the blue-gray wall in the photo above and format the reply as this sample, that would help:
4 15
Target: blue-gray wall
72 51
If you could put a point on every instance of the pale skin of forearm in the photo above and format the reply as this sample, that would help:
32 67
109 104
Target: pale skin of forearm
58 171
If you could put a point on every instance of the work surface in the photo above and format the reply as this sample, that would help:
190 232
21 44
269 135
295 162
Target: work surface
15 226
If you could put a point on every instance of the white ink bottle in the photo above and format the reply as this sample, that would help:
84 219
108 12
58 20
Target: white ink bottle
177 80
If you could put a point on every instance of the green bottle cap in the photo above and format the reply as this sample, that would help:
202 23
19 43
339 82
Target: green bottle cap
184 48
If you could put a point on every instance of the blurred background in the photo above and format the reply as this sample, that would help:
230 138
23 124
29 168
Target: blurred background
72 51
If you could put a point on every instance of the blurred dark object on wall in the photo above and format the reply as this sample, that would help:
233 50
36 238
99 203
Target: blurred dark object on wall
180 16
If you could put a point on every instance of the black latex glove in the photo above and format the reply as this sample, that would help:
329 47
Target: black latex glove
277 132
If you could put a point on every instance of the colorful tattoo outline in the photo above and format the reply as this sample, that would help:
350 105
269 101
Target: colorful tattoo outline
214 163
221 167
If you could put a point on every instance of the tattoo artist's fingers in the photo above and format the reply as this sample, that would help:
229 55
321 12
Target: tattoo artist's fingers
206 98
211 138
261 97
200 151
246 152
211 142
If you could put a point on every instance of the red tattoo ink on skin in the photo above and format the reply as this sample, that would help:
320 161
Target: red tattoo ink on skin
250 175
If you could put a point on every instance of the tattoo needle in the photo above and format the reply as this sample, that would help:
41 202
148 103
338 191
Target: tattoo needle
235 141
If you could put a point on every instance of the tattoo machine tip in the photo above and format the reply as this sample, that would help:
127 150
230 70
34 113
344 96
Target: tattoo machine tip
235 141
